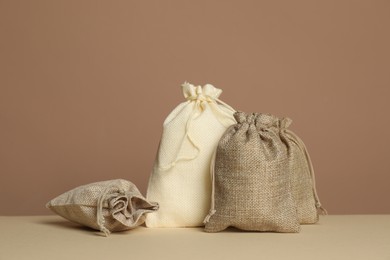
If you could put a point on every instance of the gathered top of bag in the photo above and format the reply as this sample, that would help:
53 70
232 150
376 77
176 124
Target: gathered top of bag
263 121
197 93
268 122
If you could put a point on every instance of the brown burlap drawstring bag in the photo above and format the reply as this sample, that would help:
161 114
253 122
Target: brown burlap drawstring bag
302 175
251 181
108 206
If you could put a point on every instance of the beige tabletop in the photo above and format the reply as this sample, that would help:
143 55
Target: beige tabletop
334 237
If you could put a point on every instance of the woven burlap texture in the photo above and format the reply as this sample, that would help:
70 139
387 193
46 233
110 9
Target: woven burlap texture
302 175
108 206
251 185
180 180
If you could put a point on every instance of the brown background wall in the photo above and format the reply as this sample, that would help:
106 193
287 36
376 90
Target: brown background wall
86 85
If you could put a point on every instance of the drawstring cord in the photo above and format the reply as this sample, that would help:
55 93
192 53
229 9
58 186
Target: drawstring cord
212 204
225 105
105 196
187 135
199 99
303 148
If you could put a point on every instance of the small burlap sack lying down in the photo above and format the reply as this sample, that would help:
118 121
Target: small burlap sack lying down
251 182
302 175
108 206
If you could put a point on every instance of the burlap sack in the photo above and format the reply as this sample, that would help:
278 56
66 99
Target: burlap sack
302 175
251 184
108 206
180 180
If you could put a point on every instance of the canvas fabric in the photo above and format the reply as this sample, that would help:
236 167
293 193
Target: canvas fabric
108 206
302 175
251 179
180 180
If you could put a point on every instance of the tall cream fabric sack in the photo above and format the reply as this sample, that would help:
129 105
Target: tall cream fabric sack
180 181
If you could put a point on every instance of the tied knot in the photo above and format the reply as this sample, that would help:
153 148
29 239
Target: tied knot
262 121
265 121
284 123
119 204
242 117
116 200
207 93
